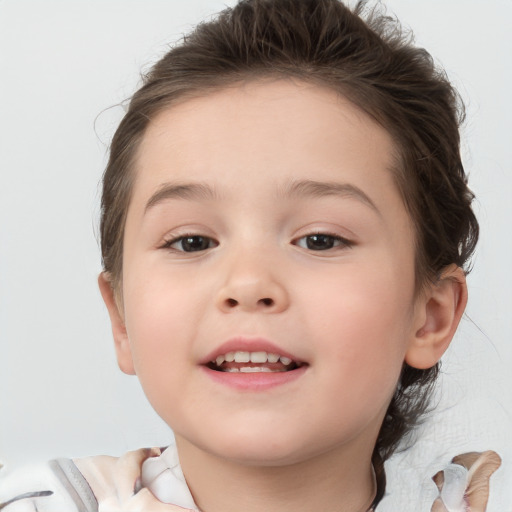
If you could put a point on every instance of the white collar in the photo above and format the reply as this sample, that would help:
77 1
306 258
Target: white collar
164 478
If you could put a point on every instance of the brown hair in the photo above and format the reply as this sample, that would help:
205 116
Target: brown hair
363 55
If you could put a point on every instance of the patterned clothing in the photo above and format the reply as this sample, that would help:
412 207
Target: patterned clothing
151 480
93 484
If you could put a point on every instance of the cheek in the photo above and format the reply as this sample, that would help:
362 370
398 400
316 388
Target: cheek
365 328
155 308
157 335
362 301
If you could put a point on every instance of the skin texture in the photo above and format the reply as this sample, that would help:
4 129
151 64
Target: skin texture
350 312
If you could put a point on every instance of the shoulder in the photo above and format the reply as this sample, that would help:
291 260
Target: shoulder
81 485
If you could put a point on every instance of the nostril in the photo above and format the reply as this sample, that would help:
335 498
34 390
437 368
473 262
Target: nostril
231 303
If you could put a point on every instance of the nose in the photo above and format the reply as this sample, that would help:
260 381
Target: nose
252 286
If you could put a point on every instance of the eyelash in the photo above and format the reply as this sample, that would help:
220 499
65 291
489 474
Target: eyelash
168 244
337 241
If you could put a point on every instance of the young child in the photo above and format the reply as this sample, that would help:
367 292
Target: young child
285 228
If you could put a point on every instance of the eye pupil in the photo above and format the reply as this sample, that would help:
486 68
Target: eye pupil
195 243
320 242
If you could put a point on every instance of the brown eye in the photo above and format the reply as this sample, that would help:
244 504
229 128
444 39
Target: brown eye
321 242
192 243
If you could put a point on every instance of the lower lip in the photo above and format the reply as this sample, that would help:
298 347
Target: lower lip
258 381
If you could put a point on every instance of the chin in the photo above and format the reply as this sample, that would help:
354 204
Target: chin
251 445
258 457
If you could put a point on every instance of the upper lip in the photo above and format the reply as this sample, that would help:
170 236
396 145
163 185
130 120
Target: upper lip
248 344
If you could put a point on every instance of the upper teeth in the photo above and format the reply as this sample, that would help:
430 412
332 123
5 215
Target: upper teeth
252 357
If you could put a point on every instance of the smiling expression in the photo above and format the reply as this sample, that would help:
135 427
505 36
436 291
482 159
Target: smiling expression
268 272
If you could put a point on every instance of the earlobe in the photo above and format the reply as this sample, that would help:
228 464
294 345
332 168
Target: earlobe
121 341
442 307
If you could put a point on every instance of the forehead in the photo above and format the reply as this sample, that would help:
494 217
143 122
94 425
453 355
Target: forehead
264 134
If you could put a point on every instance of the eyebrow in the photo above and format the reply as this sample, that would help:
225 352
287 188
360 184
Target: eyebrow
296 188
311 188
190 191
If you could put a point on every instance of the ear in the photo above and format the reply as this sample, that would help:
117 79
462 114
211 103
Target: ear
121 341
441 308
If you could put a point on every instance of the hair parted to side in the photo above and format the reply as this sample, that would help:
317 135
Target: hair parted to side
363 55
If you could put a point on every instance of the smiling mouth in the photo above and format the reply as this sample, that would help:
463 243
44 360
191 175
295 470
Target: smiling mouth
253 362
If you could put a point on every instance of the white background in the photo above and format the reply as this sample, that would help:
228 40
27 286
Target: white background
62 65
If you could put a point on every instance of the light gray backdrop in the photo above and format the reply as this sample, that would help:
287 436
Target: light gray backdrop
62 65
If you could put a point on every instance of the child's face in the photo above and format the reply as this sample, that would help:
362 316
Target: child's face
265 184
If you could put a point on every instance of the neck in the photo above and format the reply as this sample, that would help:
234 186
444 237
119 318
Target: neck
336 481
